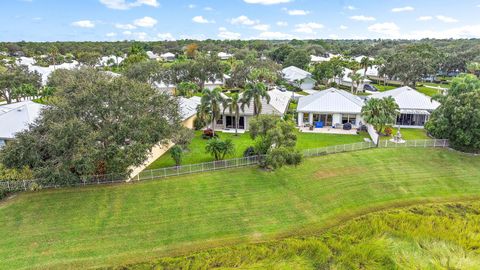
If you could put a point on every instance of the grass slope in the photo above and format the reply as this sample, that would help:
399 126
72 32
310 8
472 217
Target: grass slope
197 152
122 224
405 238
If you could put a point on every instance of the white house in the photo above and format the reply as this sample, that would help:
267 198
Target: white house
224 55
152 56
45 71
17 117
217 83
167 56
278 106
110 60
415 107
299 77
345 80
325 58
330 108
165 88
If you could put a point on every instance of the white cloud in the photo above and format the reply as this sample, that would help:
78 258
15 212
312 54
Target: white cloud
242 20
446 19
343 27
261 27
111 34
136 35
201 19
125 26
282 23
208 8
225 34
275 35
308 28
267 2
124 5
467 31
350 7
478 5
297 12
403 9
192 6
425 18
165 36
388 29
145 22
362 18
84 24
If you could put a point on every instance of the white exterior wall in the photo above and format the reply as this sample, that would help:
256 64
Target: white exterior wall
300 119
359 119
337 118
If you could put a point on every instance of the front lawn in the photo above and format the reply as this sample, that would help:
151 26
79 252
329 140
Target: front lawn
197 154
103 226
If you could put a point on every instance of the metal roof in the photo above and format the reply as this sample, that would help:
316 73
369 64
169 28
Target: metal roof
188 107
17 117
409 98
330 101
294 74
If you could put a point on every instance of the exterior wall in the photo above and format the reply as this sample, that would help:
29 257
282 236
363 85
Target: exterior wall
188 123
308 84
337 118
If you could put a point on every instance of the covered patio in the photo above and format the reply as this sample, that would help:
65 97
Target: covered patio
329 130
412 118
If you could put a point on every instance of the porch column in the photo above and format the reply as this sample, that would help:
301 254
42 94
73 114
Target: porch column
300 119
310 119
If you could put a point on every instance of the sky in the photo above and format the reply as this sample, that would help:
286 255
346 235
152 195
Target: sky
153 20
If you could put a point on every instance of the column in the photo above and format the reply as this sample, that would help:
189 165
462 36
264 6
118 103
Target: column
310 119
300 119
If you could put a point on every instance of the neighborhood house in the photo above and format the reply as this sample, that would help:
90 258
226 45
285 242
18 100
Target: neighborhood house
278 105
415 107
330 108
17 117
299 78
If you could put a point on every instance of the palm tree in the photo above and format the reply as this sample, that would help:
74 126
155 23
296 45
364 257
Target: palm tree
380 112
54 54
255 92
211 102
234 107
356 78
366 63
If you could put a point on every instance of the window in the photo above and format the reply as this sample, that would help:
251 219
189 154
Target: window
349 118
220 121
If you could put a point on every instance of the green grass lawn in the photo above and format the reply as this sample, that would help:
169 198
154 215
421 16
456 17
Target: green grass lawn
197 154
121 224
383 88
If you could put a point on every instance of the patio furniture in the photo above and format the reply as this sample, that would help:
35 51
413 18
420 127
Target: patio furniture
319 124
347 126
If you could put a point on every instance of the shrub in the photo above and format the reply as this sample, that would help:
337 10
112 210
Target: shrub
208 134
199 123
176 152
249 152
388 131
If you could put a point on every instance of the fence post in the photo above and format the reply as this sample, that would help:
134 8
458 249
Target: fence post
164 172
434 143
151 174
24 186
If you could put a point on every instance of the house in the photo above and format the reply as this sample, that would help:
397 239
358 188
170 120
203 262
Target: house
299 77
188 110
167 56
45 71
165 88
224 55
110 61
278 105
324 58
17 117
346 81
330 108
217 83
152 56
415 107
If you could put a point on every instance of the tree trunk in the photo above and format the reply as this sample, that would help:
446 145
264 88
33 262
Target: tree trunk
236 124
213 125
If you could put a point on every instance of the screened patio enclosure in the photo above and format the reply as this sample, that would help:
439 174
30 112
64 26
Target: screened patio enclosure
414 118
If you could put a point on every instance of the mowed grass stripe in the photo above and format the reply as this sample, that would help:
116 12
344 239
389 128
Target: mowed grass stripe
95 226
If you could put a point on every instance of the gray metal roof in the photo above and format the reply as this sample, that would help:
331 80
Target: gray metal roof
409 99
188 107
293 73
278 104
17 117
330 101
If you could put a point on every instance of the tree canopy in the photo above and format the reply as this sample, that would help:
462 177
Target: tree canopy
458 117
95 125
